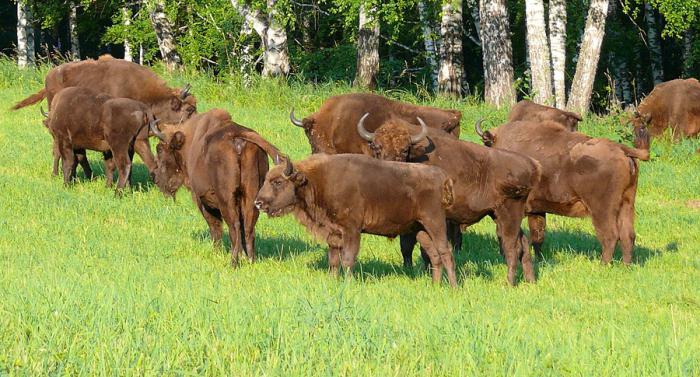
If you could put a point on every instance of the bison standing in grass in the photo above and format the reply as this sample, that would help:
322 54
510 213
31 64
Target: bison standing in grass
223 164
674 104
331 129
581 176
338 197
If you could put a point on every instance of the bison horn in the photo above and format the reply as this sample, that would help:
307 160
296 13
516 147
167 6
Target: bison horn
369 136
153 126
185 91
423 132
477 126
294 120
44 113
288 169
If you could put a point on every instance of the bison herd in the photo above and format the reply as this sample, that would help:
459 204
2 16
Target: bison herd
378 166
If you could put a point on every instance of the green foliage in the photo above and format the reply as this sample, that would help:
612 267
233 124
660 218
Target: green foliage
679 15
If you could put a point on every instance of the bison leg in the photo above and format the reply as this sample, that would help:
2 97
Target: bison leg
440 253
537 223
69 164
454 235
231 214
625 224
508 219
605 224
123 163
351 247
109 168
213 218
253 169
56 158
335 245
81 156
407 242
143 149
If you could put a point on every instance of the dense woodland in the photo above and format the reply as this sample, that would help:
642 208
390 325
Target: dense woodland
600 55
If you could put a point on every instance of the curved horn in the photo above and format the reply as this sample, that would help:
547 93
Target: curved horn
185 91
44 113
423 132
478 129
153 126
369 136
288 169
294 120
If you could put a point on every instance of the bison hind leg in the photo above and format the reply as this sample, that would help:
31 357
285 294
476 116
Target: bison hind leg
537 224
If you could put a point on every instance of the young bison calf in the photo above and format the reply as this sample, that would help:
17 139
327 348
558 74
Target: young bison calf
84 119
223 164
338 197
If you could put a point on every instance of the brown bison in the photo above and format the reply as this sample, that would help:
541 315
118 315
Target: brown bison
530 111
581 176
117 78
332 128
674 104
487 182
223 164
336 199
84 119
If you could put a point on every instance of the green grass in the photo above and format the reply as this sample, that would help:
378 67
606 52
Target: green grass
91 283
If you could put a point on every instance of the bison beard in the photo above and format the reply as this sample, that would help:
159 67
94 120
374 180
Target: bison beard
321 193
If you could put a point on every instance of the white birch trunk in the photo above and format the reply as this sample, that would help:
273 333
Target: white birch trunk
474 11
657 69
165 36
246 54
73 29
126 20
687 52
451 69
25 36
367 49
429 43
538 51
497 51
589 54
557 40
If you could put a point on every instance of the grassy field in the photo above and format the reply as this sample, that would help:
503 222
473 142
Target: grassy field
91 283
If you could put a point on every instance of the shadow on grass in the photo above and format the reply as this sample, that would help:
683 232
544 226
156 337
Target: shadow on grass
280 248
140 177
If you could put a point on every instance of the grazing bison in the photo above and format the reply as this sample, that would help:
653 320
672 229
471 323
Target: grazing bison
530 111
332 128
84 119
336 199
118 78
223 164
487 182
674 104
581 176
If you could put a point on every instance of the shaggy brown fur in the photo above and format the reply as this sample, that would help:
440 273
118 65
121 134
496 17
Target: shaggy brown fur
530 111
336 200
674 104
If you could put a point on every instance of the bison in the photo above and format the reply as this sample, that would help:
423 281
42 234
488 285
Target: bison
581 176
487 182
336 199
84 119
674 104
530 111
118 78
332 128
223 164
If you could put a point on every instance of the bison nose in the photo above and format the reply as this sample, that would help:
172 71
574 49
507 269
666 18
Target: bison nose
259 204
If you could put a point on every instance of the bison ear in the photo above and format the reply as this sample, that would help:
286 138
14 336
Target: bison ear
175 103
177 141
488 138
298 178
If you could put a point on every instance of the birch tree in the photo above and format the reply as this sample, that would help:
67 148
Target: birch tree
164 33
557 42
657 69
688 60
429 42
497 52
73 30
538 51
451 69
126 20
25 36
589 54
367 49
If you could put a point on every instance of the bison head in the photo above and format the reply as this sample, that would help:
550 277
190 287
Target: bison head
393 142
487 137
178 107
169 174
278 195
318 143
640 126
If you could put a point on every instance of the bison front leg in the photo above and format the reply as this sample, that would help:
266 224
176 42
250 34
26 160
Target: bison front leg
438 250
454 235
407 242
351 247
143 149
69 164
109 168
123 161
56 158
537 223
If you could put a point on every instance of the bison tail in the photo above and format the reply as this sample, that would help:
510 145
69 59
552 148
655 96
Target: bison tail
258 140
34 98
448 196
641 154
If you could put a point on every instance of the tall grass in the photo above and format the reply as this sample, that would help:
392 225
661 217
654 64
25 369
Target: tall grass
92 283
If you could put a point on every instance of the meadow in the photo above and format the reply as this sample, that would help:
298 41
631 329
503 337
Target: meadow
92 283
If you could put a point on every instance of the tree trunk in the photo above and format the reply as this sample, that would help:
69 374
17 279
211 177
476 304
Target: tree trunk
589 54
165 36
429 43
497 52
657 68
557 40
25 36
688 52
538 51
367 49
451 68
246 54
126 20
307 41
73 29
474 11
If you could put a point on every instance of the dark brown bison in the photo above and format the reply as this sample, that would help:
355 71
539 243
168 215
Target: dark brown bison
487 182
331 129
528 110
336 199
581 176
84 119
117 78
674 104
223 164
